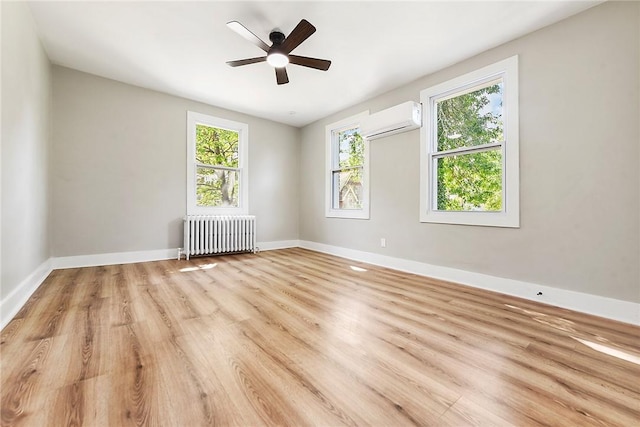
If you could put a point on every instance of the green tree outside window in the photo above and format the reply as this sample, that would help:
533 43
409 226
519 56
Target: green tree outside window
217 170
470 181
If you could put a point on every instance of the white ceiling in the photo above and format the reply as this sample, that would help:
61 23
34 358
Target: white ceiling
180 48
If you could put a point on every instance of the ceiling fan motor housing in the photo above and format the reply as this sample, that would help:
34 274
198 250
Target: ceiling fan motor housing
276 37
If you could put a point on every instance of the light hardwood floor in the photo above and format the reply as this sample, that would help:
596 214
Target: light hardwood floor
295 337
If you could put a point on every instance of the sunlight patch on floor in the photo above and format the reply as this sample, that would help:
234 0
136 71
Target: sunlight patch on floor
610 351
551 321
199 267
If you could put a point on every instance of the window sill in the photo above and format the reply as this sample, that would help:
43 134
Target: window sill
486 219
217 211
347 214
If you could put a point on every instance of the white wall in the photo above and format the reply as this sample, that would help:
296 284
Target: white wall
119 168
579 151
26 98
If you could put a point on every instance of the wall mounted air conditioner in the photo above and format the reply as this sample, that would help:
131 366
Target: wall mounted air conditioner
401 118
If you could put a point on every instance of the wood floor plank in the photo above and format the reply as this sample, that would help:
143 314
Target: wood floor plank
204 337
467 413
588 362
296 337
27 380
133 377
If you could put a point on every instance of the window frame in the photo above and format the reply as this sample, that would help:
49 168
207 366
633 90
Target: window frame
331 143
194 119
509 216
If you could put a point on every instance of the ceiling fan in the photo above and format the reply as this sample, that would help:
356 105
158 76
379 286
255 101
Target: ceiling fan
278 55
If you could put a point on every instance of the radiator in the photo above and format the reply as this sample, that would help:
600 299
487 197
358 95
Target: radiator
217 234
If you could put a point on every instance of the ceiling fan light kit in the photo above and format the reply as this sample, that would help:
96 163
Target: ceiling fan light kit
277 60
278 54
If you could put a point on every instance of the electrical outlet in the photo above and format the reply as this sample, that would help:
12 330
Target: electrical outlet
383 242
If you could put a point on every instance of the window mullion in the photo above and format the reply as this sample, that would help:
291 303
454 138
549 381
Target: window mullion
468 150
226 168
345 169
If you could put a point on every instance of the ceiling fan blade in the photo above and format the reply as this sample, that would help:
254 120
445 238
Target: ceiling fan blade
247 61
300 33
245 33
281 76
318 64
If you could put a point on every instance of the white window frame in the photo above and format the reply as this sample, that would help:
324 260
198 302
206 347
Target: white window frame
510 214
194 119
332 131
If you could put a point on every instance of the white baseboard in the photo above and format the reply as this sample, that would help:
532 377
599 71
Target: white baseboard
623 311
113 258
144 256
280 244
12 303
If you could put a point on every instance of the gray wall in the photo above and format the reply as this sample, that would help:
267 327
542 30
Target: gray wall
26 98
579 152
119 168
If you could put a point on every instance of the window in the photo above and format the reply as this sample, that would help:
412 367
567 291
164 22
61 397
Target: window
347 191
469 149
216 165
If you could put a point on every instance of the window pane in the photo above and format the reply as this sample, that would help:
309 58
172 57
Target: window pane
347 185
350 148
216 147
217 187
471 119
470 182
